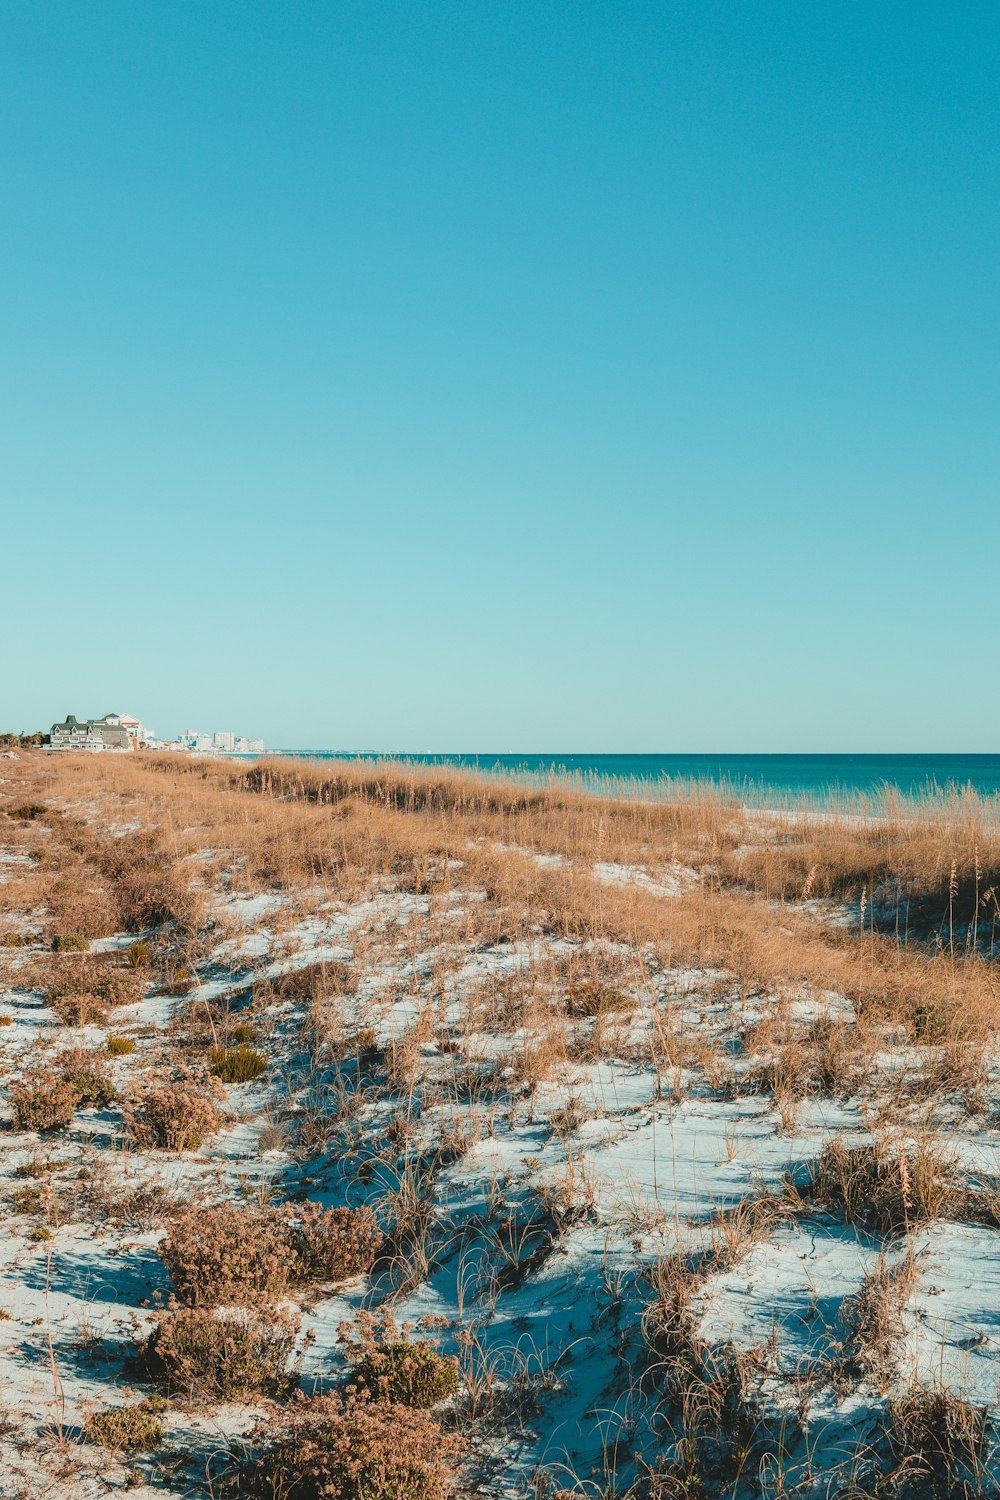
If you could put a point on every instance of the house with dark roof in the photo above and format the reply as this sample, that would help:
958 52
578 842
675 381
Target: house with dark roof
108 733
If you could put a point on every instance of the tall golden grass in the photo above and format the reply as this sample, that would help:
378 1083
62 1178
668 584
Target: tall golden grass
923 881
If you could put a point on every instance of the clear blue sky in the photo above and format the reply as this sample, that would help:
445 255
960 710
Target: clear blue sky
509 376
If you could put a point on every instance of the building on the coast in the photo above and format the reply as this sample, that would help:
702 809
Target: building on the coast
222 742
112 732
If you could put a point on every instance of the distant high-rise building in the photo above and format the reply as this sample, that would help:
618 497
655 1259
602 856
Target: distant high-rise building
224 739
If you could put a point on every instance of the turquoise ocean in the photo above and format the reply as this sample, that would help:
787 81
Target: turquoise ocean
764 779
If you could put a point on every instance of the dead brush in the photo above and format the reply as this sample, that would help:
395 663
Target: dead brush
957 1069
147 883
537 1057
940 1443
208 1355
873 1319
348 1446
589 998
669 1320
42 1101
706 1389
176 1115
734 1232
409 1207
314 981
884 1186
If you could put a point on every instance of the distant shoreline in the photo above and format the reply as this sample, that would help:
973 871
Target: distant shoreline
818 781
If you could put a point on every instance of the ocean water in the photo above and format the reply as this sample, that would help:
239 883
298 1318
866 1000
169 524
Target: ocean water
815 779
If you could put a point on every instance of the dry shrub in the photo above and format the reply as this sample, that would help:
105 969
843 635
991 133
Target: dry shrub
225 1355
350 1448
409 1374
874 1318
86 1071
227 1253
80 1010
940 1442
237 1253
331 1244
312 982
390 1367
103 984
884 1188
127 1429
589 997
78 911
42 1101
172 1116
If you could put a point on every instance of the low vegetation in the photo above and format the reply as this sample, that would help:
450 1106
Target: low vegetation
598 1145
352 1449
126 1429
240 1064
221 1354
227 1253
407 1374
175 1116
42 1101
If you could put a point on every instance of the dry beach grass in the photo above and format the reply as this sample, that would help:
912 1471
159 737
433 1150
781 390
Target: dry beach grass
607 1147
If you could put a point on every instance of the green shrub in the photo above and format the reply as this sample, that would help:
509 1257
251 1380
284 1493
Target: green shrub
240 1064
70 942
139 955
120 1046
409 1374
27 1200
227 1253
126 1429
223 1355
349 1449
41 1166
42 1101
27 812
6 1020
